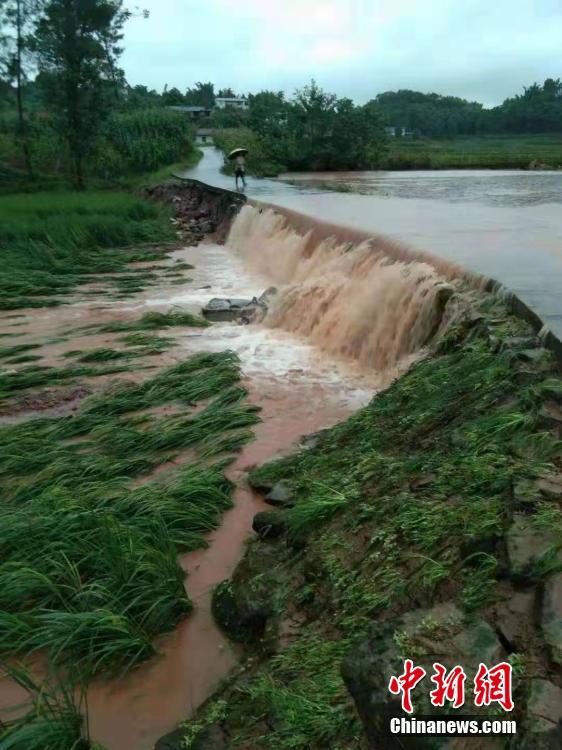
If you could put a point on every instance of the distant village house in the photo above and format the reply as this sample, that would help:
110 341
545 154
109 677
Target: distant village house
237 102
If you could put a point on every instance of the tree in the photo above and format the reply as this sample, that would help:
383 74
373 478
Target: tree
18 18
173 97
227 93
78 44
141 97
203 95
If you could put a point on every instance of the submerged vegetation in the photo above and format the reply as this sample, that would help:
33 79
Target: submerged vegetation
89 573
415 501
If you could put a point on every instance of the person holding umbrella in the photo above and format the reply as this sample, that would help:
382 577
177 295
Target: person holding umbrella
238 155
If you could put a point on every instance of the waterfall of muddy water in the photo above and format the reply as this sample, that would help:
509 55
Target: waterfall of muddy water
351 300
347 320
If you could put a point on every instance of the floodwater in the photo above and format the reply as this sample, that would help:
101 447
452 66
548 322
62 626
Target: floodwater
504 224
300 391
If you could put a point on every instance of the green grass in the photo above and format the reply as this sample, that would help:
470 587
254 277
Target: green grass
476 152
164 173
105 354
12 351
54 720
404 505
89 572
39 376
51 242
153 321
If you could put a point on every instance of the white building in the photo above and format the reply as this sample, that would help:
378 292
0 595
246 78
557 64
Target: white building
238 102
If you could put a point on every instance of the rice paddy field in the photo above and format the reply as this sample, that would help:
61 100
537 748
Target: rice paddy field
99 500
475 152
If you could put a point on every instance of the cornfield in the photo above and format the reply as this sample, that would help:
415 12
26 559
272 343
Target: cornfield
147 139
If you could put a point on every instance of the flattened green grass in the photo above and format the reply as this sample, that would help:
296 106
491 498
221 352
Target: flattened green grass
155 320
89 572
51 242
12 382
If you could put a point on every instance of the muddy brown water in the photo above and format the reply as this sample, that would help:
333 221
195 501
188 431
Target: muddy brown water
506 224
300 390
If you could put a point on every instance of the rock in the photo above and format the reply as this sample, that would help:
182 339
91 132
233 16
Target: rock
525 494
536 164
520 342
534 356
438 634
206 227
550 485
551 415
171 741
542 729
525 545
281 494
269 524
314 439
223 309
478 642
524 376
472 318
552 342
211 738
243 605
514 618
552 616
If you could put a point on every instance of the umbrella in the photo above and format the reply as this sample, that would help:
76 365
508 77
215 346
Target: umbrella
237 152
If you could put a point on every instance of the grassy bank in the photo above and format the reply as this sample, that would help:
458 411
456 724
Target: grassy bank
50 242
477 152
408 531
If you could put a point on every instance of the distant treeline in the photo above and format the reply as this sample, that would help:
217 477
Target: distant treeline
537 110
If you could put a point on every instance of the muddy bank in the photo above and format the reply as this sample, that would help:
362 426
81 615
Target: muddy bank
200 210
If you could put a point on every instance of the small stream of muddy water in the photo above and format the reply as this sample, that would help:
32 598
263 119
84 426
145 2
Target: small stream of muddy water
300 390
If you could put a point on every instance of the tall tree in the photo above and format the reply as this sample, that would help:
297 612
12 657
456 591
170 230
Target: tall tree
17 19
78 42
202 95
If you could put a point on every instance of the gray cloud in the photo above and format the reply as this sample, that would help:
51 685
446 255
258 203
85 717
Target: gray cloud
473 48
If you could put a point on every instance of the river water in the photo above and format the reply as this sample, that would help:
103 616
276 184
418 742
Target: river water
505 224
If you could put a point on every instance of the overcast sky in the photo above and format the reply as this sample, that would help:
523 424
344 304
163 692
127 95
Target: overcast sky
482 50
